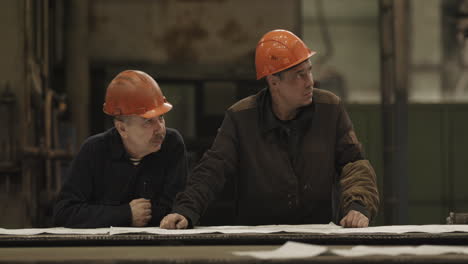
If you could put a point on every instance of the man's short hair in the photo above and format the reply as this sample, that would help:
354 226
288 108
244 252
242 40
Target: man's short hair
278 74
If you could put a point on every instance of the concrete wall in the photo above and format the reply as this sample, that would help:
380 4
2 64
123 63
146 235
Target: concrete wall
426 51
353 29
175 31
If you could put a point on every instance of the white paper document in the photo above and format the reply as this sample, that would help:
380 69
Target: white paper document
263 229
54 230
400 229
301 250
288 250
359 251
319 229
157 230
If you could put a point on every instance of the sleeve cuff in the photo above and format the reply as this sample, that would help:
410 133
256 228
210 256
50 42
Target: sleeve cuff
357 206
126 214
191 216
158 213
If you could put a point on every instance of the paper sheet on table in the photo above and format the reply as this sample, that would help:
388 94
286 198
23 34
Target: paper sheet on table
263 229
156 230
301 250
54 230
359 251
319 229
288 250
399 229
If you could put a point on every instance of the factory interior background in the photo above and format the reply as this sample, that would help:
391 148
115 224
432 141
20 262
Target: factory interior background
400 67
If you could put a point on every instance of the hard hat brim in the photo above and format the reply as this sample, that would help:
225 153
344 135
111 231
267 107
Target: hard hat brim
262 75
160 110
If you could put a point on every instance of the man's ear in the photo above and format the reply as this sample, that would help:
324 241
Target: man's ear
121 128
272 80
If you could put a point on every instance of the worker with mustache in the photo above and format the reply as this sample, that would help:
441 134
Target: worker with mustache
290 150
130 174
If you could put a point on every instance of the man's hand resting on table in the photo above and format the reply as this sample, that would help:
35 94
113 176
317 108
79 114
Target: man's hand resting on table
354 219
141 212
174 221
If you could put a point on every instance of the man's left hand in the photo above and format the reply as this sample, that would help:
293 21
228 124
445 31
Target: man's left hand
354 219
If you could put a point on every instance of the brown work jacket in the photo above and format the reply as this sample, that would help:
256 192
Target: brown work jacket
277 183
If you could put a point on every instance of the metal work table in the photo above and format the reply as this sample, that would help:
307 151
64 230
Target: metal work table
188 254
48 240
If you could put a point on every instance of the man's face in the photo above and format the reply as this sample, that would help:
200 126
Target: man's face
295 86
144 135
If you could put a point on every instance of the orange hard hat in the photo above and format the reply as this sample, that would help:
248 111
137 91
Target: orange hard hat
279 50
135 93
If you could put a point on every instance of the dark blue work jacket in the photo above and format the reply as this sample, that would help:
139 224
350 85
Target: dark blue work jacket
102 181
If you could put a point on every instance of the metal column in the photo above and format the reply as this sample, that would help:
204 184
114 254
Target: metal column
77 67
394 38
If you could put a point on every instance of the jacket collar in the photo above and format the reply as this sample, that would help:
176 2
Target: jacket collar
117 148
268 120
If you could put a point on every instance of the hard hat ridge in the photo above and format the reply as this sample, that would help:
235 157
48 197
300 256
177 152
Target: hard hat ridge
279 50
134 92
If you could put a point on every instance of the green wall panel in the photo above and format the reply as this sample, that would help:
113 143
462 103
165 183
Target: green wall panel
425 214
458 159
437 157
425 169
